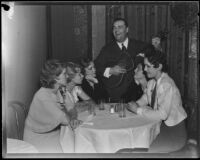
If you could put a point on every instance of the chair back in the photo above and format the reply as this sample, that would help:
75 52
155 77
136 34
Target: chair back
15 119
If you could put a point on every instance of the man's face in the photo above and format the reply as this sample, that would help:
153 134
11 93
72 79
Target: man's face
151 71
120 31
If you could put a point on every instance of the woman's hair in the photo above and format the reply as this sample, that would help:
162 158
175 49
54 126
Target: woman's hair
156 58
85 62
50 71
71 70
140 60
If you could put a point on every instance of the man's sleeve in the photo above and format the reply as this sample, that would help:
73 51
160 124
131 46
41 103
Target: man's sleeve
100 63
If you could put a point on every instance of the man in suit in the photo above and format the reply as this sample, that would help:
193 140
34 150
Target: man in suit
116 76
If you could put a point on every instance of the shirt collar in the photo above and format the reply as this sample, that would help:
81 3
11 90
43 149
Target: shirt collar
158 81
125 43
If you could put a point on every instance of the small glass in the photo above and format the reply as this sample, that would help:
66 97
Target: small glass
101 105
117 107
122 110
112 108
92 109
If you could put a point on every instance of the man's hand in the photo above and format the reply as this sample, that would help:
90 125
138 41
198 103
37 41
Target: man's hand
132 106
116 70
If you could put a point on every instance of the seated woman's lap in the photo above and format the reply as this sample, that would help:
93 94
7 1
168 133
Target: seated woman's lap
171 138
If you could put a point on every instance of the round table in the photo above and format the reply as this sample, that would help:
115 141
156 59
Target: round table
107 132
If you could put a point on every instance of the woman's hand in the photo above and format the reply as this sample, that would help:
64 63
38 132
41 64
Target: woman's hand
74 123
132 106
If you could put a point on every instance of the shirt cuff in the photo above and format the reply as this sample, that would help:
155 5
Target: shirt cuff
139 111
106 73
137 82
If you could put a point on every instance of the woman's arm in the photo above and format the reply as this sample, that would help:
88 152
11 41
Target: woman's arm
164 103
82 94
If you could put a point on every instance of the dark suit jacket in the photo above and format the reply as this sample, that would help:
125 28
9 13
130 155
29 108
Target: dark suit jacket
108 57
97 93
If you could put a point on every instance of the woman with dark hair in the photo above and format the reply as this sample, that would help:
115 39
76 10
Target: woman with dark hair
91 85
140 75
162 100
46 114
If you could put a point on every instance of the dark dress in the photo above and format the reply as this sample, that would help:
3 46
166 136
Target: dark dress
97 93
109 56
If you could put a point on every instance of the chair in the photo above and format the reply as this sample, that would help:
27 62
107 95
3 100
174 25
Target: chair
15 119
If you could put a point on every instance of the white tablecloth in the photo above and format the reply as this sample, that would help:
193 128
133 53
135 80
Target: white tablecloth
107 133
18 146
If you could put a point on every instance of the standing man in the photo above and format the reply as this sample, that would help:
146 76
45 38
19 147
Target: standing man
115 63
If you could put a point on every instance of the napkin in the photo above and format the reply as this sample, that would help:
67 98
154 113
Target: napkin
88 123
89 118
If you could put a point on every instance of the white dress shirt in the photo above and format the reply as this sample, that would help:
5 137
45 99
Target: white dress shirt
168 104
107 70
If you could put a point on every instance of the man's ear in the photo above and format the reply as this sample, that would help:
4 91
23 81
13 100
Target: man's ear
160 67
127 29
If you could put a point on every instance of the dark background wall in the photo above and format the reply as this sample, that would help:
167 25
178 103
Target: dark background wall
69 31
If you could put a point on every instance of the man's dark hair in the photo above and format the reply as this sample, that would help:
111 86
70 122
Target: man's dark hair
121 19
156 58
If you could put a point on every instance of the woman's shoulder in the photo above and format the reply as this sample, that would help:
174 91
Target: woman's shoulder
44 94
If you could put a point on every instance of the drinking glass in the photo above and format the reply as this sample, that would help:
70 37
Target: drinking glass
112 108
101 105
122 110
91 109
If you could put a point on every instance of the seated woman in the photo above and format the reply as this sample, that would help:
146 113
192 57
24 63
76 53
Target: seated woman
91 85
74 87
162 100
46 115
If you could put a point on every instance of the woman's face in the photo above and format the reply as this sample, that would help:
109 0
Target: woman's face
78 78
90 70
139 72
62 78
151 71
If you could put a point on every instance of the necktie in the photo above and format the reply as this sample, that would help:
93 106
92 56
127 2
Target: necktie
123 48
153 97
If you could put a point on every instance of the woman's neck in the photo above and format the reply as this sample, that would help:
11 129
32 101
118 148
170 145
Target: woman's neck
158 76
70 86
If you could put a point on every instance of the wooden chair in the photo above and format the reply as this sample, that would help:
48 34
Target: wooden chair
16 113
